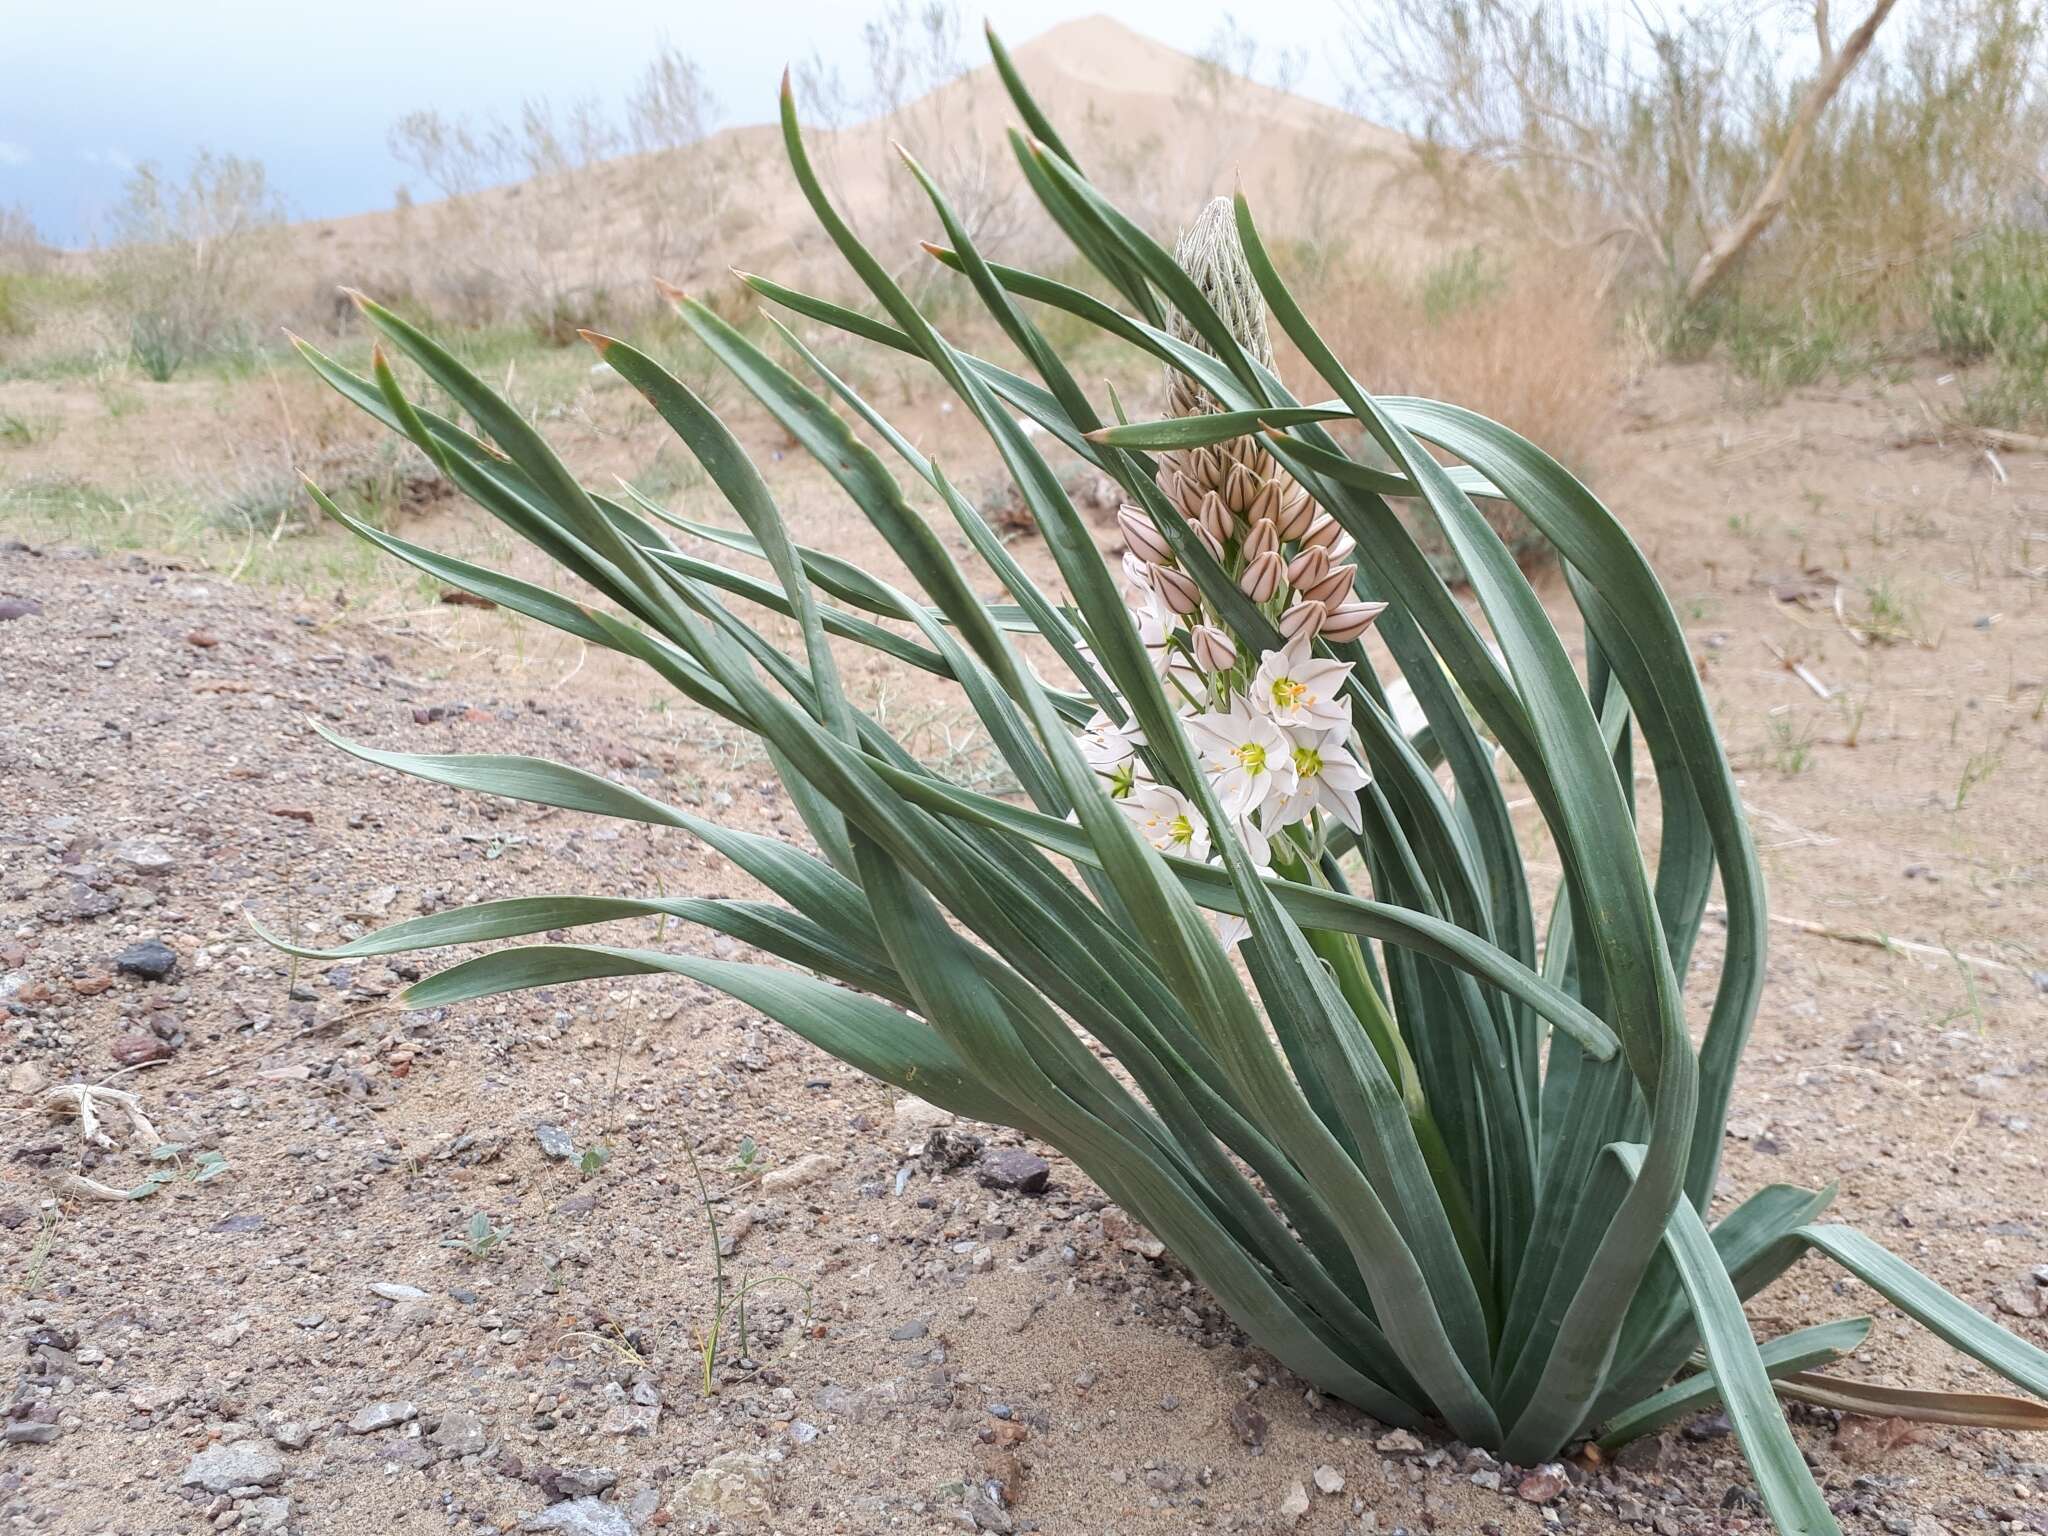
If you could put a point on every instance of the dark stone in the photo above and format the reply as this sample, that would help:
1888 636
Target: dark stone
947 1149
1013 1168
152 960
18 608
1248 1424
139 1050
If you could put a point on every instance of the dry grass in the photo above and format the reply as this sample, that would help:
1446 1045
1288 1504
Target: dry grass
1526 339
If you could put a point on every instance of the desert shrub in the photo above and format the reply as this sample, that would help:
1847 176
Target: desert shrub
548 217
1654 134
1989 305
1526 338
1991 298
15 315
188 257
1437 1171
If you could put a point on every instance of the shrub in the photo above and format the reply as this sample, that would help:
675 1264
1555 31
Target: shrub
1434 1170
188 255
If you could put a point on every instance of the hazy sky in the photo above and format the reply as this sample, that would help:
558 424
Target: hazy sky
90 87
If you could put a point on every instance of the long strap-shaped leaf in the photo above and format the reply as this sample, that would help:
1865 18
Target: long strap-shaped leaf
1927 1303
1781 1356
1782 1479
876 1038
1399 1290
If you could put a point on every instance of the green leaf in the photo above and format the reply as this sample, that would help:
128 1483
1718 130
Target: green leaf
1794 1352
1921 1299
1783 1481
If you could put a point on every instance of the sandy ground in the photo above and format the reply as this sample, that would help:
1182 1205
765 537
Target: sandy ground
922 1335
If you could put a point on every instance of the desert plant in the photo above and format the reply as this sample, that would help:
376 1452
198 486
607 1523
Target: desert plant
1708 142
1437 1169
186 255
479 1237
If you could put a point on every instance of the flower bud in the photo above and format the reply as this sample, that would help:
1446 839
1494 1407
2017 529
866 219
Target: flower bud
1179 490
1239 488
1176 588
1308 567
1210 542
1322 531
1301 618
1263 537
1333 588
1207 470
1347 621
1216 517
1145 540
1295 513
1213 649
1265 504
1262 578
1341 548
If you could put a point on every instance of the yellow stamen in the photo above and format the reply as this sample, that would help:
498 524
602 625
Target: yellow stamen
1287 693
1252 757
1307 762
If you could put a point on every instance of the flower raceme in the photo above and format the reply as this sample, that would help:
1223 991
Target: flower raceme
1275 740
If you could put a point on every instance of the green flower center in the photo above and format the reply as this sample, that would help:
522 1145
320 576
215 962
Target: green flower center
1251 756
1123 779
1182 831
1308 762
1287 693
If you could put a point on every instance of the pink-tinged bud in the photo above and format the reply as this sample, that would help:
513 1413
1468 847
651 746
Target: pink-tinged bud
1341 548
1265 504
1333 588
1262 578
1145 540
1308 567
1295 513
1347 621
1239 488
1263 538
1322 531
1216 518
1187 497
1212 649
1210 542
1176 588
1301 618
1207 468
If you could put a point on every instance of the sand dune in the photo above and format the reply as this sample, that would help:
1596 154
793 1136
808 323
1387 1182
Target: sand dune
1159 130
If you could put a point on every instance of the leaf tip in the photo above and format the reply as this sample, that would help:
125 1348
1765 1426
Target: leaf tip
670 291
599 342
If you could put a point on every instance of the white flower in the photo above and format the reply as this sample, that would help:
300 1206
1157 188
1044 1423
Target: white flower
1167 821
1249 757
1231 930
1301 690
1137 587
1328 778
1156 624
1111 750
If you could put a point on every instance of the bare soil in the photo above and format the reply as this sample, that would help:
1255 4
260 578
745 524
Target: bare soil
926 1336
